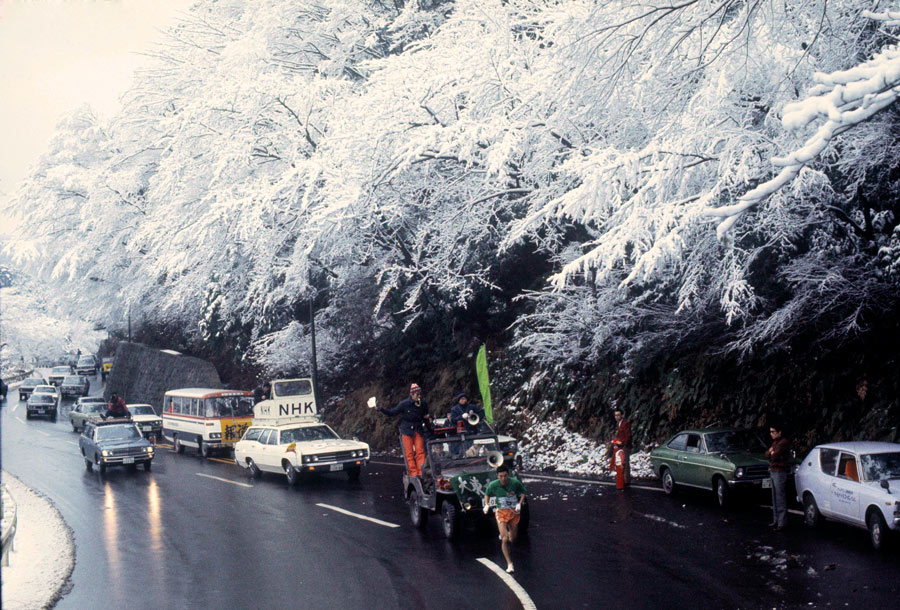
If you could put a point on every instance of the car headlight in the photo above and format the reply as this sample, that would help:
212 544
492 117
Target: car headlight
511 445
148 449
104 453
314 458
739 473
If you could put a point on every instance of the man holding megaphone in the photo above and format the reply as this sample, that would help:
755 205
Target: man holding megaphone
465 416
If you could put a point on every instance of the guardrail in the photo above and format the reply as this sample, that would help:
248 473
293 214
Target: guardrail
18 377
8 527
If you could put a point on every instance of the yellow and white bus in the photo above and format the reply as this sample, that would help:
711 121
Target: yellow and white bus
206 419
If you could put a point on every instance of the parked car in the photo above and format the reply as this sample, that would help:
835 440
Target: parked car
75 385
87 365
3 389
39 405
48 390
857 483
722 460
86 408
58 374
114 442
28 385
147 420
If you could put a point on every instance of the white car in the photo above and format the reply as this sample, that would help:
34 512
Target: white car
856 483
50 390
149 423
286 436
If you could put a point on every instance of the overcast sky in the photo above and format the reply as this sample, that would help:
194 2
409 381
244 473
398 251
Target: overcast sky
56 55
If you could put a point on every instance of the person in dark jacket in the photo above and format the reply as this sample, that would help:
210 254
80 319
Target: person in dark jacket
460 412
779 455
116 407
264 392
413 412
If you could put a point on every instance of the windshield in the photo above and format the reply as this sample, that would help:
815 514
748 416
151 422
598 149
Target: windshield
453 457
228 406
744 441
117 433
41 399
45 389
142 410
60 370
86 361
298 387
878 466
311 433
33 381
94 407
73 380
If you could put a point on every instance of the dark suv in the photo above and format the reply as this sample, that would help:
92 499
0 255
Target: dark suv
114 442
27 387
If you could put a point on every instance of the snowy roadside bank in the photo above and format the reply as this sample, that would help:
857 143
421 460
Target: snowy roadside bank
43 553
548 446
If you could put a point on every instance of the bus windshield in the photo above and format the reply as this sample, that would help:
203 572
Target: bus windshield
229 406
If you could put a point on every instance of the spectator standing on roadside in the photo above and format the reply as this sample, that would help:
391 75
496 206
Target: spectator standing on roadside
779 455
623 434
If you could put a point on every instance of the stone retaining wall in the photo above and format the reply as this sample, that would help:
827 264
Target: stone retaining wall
142 374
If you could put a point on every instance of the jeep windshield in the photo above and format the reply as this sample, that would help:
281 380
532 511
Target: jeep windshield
310 433
458 456
734 441
878 466
86 361
118 433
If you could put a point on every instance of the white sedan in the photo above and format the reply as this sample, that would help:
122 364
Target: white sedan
857 483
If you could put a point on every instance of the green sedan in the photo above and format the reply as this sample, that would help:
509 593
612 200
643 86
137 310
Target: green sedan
722 460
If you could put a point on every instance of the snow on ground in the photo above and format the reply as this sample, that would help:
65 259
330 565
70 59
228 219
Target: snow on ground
43 552
549 445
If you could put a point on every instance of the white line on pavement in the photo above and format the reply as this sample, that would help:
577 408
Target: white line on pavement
44 433
523 596
790 510
525 475
209 476
72 443
358 516
20 420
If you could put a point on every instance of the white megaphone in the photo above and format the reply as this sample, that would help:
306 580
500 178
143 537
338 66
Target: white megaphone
473 418
372 402
495 459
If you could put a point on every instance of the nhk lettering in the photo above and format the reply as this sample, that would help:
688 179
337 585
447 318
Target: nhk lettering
233 432
286 409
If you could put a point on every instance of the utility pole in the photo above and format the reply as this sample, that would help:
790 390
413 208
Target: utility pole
312 334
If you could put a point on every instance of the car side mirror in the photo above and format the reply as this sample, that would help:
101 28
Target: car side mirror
886 485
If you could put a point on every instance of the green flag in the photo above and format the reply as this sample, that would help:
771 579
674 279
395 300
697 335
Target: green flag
484 383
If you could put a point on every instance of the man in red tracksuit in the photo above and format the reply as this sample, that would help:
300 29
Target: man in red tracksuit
413 413
623 433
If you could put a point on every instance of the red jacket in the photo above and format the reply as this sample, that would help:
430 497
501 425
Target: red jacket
623 433
779 455
117 407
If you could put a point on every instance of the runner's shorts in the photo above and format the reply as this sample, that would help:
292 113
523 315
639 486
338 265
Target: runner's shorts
507 515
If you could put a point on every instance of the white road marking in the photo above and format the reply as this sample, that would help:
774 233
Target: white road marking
42 432
790 510
20 420
72 443
516 588
358 516
386 463
209 476
586 481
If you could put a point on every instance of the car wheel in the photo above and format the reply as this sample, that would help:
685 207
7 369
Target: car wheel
524 518
253 468
88 465
204 449
721 492
878 530
27 415
449 520
416 513
353 473
811 515
53 416
74 427
101 466
179 448
290 473
668 481
147 465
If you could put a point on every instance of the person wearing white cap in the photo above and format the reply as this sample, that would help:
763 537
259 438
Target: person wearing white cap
413 412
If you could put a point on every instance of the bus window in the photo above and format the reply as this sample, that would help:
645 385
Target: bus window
197 407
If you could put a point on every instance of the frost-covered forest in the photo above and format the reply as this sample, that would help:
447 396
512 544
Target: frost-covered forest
593 181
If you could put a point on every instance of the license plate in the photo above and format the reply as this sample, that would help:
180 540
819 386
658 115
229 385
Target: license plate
146 428
767 483
334 467
128 460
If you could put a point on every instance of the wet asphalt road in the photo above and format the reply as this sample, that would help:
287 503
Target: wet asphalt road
195 532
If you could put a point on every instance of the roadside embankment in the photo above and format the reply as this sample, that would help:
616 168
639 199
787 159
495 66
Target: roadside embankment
43 552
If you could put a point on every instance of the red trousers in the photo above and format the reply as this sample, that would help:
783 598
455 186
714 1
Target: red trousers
414 450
